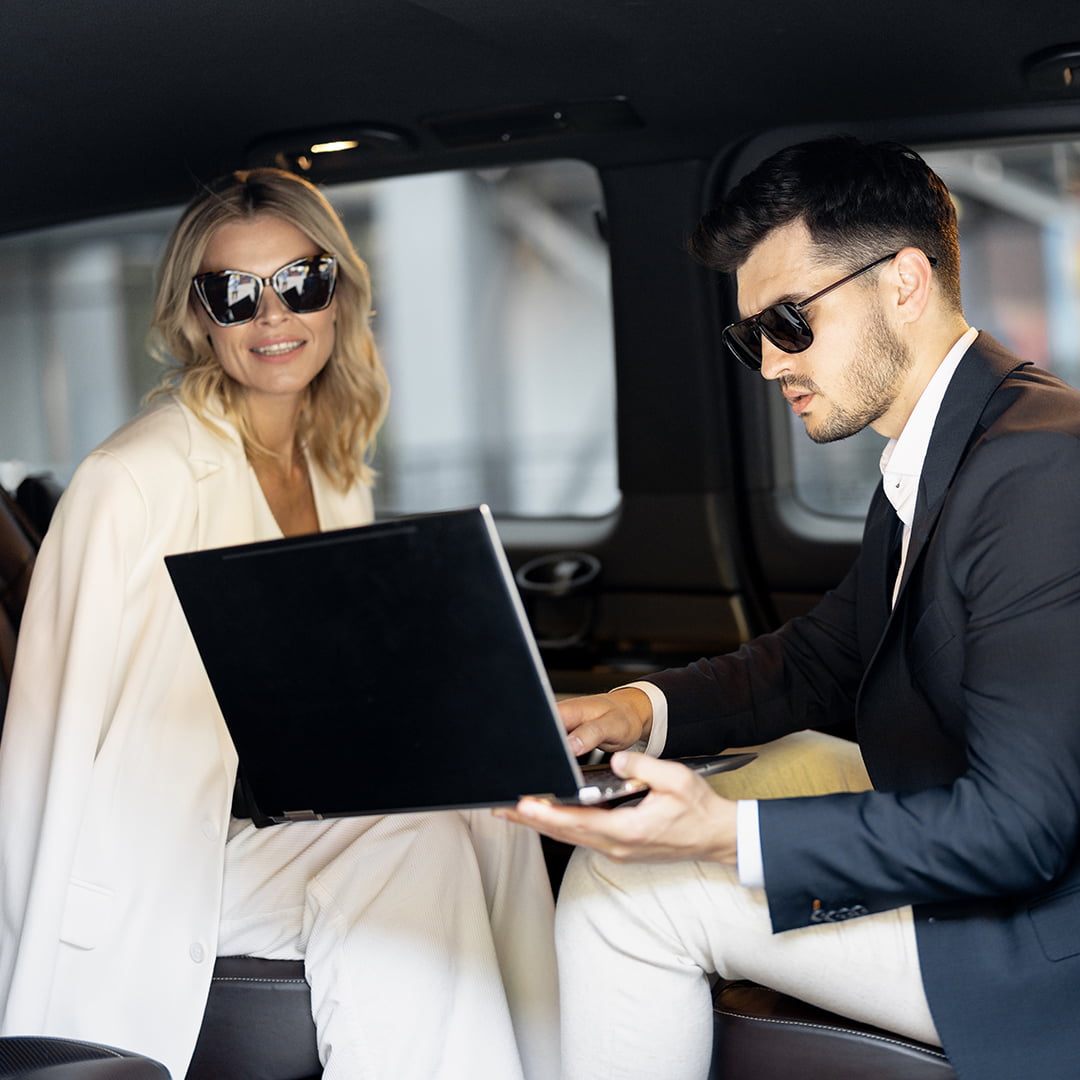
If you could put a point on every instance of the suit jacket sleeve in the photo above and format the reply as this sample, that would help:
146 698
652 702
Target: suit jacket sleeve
991 651
804 675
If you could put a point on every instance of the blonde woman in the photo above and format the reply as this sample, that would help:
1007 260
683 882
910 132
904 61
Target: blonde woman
125 872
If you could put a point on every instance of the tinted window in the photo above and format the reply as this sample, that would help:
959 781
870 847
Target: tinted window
493 314
1019 213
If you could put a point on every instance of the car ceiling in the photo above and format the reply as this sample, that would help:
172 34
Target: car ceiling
113 105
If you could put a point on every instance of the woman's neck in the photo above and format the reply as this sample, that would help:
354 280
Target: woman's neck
283 476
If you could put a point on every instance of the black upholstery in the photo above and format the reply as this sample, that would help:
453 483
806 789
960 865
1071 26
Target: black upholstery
18 547
40 1058
764 1035
37 497
257 1024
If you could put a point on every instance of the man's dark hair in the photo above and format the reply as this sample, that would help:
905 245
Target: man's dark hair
859 201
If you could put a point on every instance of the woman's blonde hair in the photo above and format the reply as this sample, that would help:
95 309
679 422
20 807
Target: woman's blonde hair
346 402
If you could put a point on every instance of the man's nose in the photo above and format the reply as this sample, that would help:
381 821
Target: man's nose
774 362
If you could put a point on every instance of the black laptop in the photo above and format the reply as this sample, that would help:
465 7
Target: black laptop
381 669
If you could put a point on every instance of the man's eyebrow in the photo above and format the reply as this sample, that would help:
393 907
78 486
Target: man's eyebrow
789 298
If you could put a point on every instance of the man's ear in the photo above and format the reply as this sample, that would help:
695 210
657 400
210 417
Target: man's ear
913 278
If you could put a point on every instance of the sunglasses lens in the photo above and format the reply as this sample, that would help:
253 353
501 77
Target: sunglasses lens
229 297
785 327
744 340
308 284
232 297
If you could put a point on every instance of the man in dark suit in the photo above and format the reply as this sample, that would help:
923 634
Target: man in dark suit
944 902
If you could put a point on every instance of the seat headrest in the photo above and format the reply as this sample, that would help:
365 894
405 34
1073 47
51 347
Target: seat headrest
18 549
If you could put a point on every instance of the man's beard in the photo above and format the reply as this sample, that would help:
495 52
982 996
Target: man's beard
874 378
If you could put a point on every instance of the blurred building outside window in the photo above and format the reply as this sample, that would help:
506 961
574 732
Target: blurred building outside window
492 313
1019 218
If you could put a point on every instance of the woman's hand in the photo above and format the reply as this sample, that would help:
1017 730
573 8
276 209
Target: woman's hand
681 818
610 722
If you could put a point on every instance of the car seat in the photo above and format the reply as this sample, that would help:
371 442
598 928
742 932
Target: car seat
258 1026
39 1058
18 547
37 496
761 1034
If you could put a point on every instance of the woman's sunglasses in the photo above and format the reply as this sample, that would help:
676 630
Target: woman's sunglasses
783 324
231 297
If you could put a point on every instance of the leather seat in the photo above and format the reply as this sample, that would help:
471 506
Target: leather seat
764 1035
39 1058
257 1024
18 548
37 496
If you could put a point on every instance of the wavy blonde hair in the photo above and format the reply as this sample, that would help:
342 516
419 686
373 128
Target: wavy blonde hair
346 402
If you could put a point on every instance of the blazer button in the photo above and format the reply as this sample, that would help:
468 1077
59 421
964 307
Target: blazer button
197 953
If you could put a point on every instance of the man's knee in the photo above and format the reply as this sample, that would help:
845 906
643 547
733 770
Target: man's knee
803 763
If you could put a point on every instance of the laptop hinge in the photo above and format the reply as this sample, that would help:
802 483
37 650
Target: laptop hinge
300 815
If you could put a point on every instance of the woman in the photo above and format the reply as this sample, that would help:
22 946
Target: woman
425 937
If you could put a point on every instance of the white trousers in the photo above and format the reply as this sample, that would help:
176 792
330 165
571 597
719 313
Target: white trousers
637 943
427 940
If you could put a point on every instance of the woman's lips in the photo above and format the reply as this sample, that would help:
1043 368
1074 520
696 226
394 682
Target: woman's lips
277 350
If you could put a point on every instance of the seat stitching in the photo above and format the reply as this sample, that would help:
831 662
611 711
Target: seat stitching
828 1027
258 979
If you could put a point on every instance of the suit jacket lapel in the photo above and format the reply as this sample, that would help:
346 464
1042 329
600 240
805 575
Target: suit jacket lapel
981 371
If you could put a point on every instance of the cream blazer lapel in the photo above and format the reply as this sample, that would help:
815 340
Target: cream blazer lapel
231 504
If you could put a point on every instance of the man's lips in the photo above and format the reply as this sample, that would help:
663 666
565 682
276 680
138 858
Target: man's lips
799 400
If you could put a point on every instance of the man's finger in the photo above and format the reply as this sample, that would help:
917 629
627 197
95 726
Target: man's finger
658 774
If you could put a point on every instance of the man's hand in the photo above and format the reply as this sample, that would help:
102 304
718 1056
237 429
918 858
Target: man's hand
609 722
680 818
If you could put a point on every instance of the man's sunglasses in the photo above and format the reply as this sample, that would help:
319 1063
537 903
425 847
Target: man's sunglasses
231 297
783 324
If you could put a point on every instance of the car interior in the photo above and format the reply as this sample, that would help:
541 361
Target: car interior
522 177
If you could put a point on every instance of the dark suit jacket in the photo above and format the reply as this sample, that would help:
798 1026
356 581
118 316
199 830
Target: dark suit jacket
966 699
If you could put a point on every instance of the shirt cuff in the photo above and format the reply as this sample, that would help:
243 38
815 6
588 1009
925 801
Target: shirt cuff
654 746
748 839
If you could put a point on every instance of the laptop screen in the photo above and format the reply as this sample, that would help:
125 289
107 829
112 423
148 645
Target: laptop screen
382 668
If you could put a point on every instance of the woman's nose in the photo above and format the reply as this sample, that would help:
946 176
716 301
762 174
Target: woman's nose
271 307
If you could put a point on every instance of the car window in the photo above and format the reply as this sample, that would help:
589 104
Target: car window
492 311
1019 216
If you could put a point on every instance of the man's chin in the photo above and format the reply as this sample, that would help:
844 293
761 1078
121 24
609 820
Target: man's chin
832 429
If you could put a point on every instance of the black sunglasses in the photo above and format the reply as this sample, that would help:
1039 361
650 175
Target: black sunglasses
231 297
783 324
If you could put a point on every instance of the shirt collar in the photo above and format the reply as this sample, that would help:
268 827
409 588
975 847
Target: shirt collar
902 459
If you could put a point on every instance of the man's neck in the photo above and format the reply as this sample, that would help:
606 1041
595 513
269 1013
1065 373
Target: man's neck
927 353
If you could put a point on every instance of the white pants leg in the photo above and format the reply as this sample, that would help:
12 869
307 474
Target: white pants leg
637 944
427 941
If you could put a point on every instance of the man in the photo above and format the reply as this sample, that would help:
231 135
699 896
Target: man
945 902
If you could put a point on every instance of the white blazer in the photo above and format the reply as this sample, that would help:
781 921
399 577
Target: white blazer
116 770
